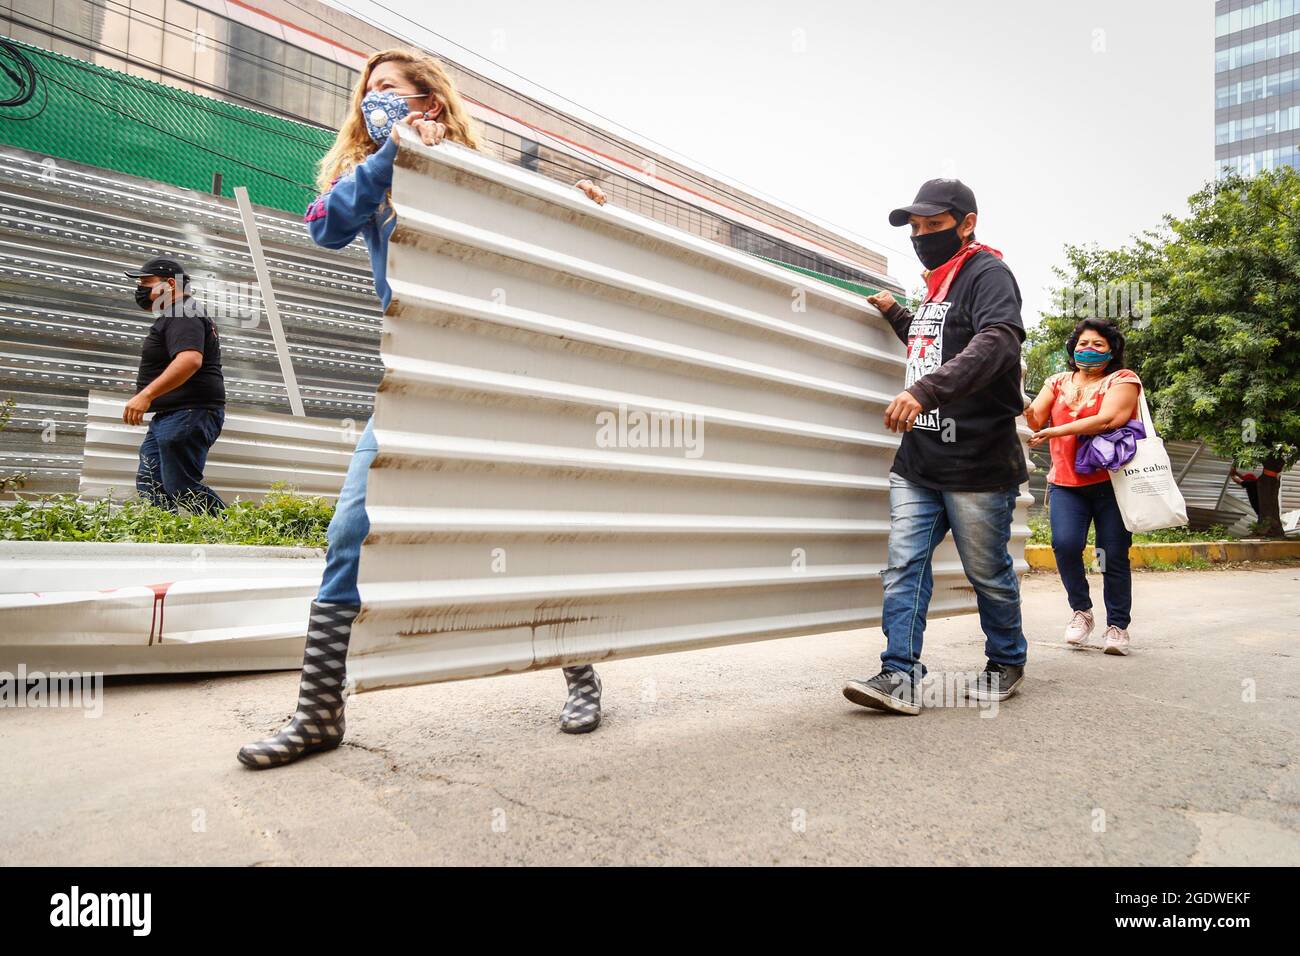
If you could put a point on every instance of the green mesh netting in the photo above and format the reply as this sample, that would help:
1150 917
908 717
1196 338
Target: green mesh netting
846 284
97 116
100 117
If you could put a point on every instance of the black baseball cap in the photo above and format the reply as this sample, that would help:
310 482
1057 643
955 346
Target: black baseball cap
159 266
934 197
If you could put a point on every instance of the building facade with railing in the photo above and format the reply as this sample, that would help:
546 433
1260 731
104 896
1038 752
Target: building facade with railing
299 60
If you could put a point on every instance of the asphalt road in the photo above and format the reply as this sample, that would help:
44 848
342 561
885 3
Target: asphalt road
1183 753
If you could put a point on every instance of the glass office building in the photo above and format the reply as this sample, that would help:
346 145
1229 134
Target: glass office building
1256 85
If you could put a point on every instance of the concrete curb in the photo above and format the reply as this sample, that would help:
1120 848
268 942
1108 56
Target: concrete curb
1041 558
119 550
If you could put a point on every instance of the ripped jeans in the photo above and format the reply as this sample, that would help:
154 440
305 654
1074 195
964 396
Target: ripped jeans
980 522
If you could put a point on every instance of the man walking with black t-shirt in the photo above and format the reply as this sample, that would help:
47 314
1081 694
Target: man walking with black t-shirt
180 380
960 463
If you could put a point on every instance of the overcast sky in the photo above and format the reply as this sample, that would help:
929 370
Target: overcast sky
1072 121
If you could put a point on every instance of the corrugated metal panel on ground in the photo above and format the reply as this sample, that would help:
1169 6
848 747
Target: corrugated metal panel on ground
1202 475
1212 499
517 519
124 608
255 451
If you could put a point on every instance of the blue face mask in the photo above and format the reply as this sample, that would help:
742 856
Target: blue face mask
382 111
1091 359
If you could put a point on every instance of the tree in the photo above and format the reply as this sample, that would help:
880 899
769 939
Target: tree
1222 349
1210 305
1094 283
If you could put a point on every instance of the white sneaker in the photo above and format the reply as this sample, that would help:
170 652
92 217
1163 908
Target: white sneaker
1116 641
1079 629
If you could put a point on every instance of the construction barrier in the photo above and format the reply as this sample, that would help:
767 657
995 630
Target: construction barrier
601 437
256 451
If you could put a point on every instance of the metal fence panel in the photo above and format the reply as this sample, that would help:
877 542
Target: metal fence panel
256 451
1289 494
521 517
68 323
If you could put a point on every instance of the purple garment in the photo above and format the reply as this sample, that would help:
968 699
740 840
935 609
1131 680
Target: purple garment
1110 450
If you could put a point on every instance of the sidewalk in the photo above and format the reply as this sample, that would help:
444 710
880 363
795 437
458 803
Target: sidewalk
745 754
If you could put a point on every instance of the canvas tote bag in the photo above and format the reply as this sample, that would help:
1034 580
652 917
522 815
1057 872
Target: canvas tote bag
1148 497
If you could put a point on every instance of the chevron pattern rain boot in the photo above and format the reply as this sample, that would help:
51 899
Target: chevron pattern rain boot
318 723
581 713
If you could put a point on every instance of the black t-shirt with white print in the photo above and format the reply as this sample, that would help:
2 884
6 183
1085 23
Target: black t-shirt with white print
969 442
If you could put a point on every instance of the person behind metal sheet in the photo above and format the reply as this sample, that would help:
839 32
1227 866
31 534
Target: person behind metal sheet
181 382
959 463
399 94
1096 394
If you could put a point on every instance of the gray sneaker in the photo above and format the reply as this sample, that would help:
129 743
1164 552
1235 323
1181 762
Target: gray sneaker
888 690
998 681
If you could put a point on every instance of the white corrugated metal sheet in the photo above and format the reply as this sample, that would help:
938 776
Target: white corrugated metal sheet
1289 494
509 531
149 609
255 451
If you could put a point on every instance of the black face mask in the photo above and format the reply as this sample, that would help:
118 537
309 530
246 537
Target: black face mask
142 296
936 248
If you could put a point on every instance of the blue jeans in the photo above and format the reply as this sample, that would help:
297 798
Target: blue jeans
980 522
173 455
349 527
1071 511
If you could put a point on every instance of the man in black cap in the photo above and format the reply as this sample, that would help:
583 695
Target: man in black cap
180 380
960 463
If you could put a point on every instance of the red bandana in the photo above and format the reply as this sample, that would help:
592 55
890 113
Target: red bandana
938 279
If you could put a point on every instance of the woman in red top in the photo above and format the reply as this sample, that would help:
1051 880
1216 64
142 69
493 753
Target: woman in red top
1098 394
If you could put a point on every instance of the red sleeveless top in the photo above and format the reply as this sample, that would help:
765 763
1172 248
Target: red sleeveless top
1068 407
